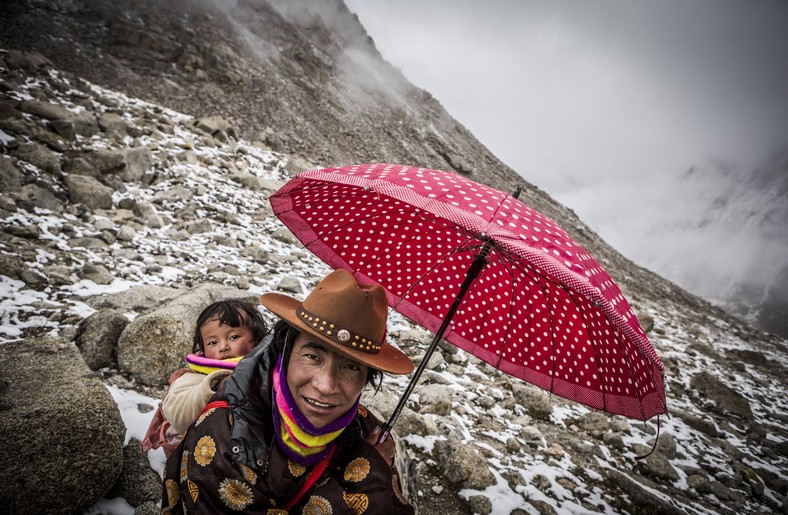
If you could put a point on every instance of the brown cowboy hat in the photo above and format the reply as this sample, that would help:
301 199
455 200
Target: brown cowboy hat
348 317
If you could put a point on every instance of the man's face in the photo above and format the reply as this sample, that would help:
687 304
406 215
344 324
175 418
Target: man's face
324 383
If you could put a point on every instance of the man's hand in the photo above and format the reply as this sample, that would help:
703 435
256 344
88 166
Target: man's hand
385 448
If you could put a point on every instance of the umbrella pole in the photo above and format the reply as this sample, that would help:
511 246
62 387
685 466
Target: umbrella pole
479 261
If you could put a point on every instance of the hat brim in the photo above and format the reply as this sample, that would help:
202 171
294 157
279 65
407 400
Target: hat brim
389 359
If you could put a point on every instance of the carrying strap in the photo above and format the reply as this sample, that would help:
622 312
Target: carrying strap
311 479
214 404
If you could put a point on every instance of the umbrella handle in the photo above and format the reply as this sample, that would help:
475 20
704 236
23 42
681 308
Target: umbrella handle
479 261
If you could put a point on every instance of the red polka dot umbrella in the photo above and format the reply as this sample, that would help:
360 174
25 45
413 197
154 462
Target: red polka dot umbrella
484 271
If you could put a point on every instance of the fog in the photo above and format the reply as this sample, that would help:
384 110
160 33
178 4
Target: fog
664 125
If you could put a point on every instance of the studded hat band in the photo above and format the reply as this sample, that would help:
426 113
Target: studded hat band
340 335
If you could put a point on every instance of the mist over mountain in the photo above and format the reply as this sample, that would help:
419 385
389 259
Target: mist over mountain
730 243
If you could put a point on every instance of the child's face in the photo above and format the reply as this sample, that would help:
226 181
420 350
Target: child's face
224 341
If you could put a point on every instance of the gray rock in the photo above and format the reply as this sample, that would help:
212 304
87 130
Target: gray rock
62 443
138 299
435 399
726 400
199 226
39 156
290 284
656 465
11 178
138 483
31 196
138 162
463 465
86 190
96 273
175 194
113 125
148 215
98 335
480 504
27 231
533 399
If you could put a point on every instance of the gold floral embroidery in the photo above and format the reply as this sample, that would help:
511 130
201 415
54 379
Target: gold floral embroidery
362 411
317 506
235 494
296 469
397 490
203 453
204 416
357 470
275 511
184 466
194 491
248 474
357 502
173 493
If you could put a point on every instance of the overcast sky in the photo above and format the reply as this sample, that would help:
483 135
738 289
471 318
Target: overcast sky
605 103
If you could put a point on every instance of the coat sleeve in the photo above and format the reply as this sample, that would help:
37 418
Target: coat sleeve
187 396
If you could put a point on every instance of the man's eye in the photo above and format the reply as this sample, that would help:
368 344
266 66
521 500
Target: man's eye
353 366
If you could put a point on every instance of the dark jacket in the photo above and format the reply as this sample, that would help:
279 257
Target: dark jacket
228 460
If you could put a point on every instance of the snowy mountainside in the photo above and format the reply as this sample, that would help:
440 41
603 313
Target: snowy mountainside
198 213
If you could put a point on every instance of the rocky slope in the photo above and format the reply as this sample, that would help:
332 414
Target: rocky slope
166 208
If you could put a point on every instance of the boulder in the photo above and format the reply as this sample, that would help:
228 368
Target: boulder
98 337
86 190
62 438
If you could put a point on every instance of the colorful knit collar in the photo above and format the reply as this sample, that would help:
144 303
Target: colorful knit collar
300 440
203 365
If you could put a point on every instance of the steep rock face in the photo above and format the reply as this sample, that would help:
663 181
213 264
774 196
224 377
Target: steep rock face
301 77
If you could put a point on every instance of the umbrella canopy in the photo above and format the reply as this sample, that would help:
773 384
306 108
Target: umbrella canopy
536 305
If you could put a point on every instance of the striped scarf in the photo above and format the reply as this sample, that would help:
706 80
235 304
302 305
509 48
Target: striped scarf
203 365
300 440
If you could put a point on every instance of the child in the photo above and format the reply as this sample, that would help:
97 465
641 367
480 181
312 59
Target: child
225 332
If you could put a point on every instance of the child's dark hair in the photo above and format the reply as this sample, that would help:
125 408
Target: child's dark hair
284 339
235 313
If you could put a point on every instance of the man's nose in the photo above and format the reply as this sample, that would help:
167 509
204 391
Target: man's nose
326 380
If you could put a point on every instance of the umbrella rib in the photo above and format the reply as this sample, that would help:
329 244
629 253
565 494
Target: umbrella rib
626 358
533 276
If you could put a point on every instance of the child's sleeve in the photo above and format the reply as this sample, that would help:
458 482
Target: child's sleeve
188 395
